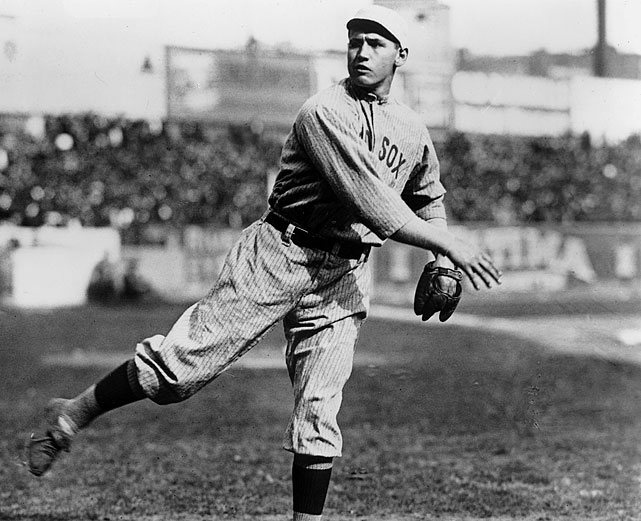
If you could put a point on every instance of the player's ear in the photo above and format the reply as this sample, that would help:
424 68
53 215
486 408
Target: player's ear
401 56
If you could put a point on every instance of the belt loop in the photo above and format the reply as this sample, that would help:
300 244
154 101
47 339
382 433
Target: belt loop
336 248
286 237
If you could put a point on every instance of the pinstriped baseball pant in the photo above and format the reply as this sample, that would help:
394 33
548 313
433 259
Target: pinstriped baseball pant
321 299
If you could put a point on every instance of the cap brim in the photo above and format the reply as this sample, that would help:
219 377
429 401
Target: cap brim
372 24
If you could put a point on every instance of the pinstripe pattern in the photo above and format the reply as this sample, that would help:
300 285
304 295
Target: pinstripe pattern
356 168
319 365
322 300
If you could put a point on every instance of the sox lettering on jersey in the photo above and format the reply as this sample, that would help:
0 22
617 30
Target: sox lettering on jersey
389 152
390 155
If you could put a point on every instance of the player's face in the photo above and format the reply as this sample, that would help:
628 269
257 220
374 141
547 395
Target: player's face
372 60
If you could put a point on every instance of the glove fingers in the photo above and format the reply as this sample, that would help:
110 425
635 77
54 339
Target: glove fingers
448 310
438 290
428 315
420 298
430 307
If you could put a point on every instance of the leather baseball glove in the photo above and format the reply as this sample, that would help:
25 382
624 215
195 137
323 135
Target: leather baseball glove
431 296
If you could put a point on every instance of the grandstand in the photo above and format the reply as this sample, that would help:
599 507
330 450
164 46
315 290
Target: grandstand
98 171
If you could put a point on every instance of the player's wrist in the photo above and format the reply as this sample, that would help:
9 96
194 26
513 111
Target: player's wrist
443 261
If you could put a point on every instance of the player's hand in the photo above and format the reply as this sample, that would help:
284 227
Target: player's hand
446 284
477 265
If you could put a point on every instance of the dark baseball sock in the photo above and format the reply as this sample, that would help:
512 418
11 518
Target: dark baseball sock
118 388
310 479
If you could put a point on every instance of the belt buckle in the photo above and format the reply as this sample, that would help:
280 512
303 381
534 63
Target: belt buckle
286 237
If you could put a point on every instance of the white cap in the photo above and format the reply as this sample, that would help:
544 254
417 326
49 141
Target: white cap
387 18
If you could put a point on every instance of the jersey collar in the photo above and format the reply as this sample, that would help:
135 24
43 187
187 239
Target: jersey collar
365 95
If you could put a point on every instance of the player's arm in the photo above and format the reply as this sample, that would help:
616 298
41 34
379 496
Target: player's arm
440 259
477 265
424 194
427 228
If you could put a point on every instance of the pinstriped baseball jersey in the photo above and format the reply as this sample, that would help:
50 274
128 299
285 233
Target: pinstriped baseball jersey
355 167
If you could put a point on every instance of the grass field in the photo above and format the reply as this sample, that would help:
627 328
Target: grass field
439 423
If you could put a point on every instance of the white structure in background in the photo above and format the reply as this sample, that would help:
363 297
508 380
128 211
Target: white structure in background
44 72
52 267
428 73
521 105
607 108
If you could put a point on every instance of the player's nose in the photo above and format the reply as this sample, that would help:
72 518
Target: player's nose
362 53
361 56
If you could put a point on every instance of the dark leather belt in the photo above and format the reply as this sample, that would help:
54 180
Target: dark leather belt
301 237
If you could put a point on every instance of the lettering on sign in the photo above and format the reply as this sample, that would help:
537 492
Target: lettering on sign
545 257
515 248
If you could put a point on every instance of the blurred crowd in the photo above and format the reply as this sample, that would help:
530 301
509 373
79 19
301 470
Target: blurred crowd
510 180
94 171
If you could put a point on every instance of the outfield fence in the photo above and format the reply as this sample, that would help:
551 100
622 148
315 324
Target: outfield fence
50 267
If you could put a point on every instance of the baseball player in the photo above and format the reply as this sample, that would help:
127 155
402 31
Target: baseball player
356 169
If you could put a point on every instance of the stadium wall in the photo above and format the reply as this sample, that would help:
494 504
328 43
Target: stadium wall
541 258
53 267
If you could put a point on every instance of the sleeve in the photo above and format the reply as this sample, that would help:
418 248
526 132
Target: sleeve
423 191
343 159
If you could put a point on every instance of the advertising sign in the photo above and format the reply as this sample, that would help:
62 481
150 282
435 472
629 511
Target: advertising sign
237 86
